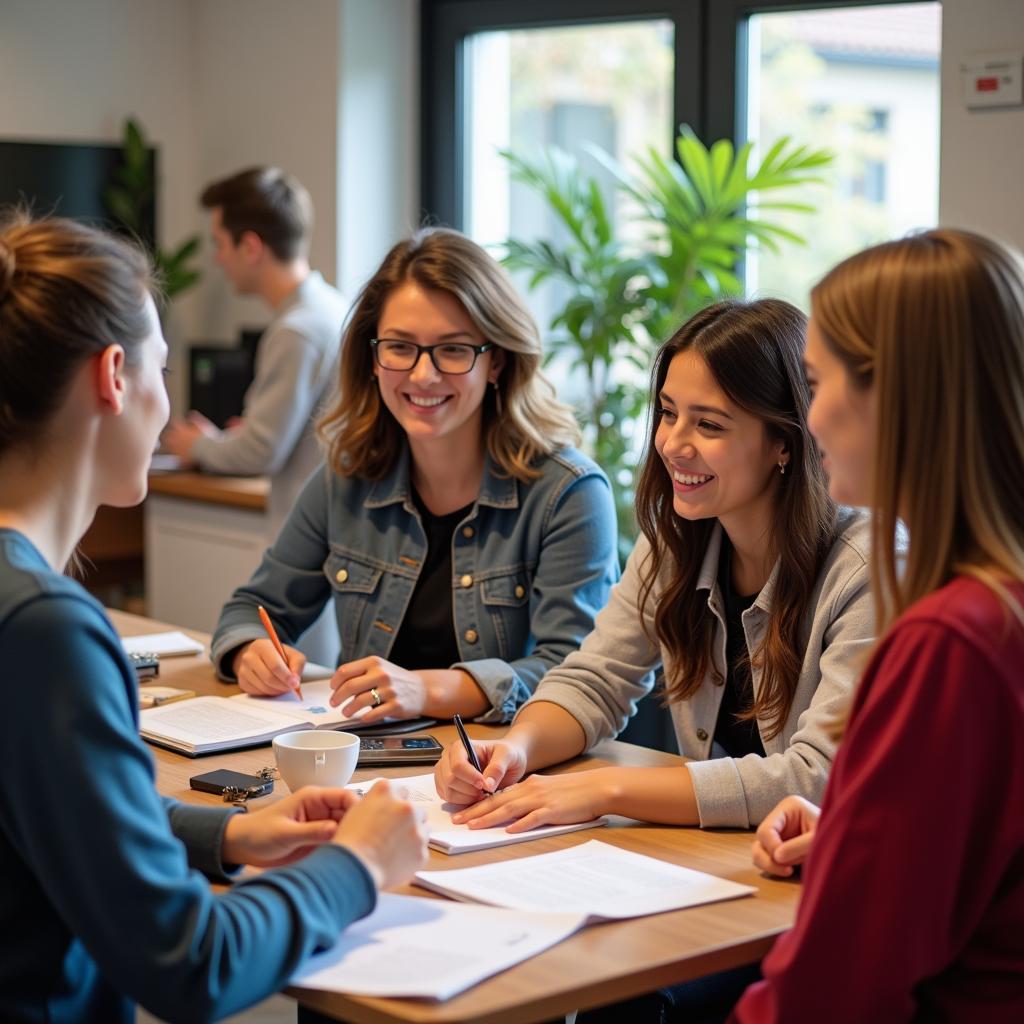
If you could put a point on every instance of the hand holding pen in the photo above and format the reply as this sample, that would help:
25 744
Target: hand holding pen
266 667
468 772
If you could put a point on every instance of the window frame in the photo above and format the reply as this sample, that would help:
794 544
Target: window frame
445 25
709 90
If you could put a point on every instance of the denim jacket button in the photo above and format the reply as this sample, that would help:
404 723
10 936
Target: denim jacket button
520 591
466 581
471 636
468 531
341 575
702 734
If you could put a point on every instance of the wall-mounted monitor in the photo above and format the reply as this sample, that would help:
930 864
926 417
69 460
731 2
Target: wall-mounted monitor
67 179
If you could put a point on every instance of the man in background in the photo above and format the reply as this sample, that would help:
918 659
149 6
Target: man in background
261 221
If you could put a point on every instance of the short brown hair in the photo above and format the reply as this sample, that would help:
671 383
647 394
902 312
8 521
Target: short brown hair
362 436
67 291
267 202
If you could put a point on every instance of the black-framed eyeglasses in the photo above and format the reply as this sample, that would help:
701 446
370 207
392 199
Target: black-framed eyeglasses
448 357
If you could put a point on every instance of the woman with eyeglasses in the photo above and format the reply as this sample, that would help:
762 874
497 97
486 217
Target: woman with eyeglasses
464 543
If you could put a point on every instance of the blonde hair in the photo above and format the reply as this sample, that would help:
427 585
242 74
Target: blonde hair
364 439
935 323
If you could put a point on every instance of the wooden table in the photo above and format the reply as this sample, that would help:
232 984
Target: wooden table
601 963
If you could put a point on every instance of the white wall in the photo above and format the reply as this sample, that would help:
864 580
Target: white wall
982 151
74 71
267 76
326 89
378 169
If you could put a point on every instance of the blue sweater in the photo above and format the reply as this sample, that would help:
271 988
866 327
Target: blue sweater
101 902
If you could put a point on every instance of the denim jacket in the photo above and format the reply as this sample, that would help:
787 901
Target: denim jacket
532 564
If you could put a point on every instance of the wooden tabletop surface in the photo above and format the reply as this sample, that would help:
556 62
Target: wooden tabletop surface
601 963
235 491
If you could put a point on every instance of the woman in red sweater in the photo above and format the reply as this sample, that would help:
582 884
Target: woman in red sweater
913 902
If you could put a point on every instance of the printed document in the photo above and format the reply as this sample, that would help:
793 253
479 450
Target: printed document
596 879
430 949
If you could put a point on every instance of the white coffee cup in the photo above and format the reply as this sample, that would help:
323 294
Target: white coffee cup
316 758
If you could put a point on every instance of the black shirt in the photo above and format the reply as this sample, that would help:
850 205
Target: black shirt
426 638
736 737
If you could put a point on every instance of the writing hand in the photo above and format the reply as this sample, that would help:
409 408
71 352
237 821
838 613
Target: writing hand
259 669
458 782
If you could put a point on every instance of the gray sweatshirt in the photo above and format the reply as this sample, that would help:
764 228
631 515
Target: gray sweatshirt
296 370
600 683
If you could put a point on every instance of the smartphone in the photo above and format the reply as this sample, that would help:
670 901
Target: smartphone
384 750
232 785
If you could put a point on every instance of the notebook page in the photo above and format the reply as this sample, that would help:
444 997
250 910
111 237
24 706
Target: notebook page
451 839
205 720
314 707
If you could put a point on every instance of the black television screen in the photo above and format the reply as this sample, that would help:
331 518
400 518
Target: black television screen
66 179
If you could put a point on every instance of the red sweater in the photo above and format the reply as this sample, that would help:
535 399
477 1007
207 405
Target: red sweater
913 901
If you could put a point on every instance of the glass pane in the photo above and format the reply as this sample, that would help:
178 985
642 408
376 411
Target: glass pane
863 82
608 85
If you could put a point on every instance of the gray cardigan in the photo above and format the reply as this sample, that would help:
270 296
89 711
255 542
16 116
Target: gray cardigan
600 683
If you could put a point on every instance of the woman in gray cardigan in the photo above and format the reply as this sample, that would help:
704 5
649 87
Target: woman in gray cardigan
749 588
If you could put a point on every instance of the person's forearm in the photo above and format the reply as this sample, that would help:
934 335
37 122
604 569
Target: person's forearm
451 691
661 795
548 734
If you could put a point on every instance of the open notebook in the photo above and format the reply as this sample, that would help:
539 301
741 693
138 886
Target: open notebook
205 725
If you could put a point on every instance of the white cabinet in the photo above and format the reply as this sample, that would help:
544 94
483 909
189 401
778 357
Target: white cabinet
196 554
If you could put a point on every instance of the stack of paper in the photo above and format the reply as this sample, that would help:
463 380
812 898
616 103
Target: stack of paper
171 644
596 879
448 838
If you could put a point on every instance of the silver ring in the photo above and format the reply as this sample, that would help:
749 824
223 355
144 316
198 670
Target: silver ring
376 697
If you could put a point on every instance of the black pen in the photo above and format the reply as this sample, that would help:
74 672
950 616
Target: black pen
470 752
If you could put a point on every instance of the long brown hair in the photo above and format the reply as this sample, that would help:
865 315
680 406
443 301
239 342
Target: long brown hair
364 439
754 351
935 324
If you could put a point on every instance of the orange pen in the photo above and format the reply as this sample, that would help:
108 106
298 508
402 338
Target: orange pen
272 633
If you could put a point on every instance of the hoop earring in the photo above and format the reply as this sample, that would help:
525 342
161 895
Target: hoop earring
497 397
782 469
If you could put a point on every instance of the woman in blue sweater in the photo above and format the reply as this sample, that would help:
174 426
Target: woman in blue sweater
102 904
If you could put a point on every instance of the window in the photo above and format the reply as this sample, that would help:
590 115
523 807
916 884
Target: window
570 87
525 73
863 81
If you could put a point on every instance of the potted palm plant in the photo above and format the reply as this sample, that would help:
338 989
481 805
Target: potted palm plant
625 298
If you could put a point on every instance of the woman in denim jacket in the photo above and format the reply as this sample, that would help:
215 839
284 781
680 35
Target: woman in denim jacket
466 546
